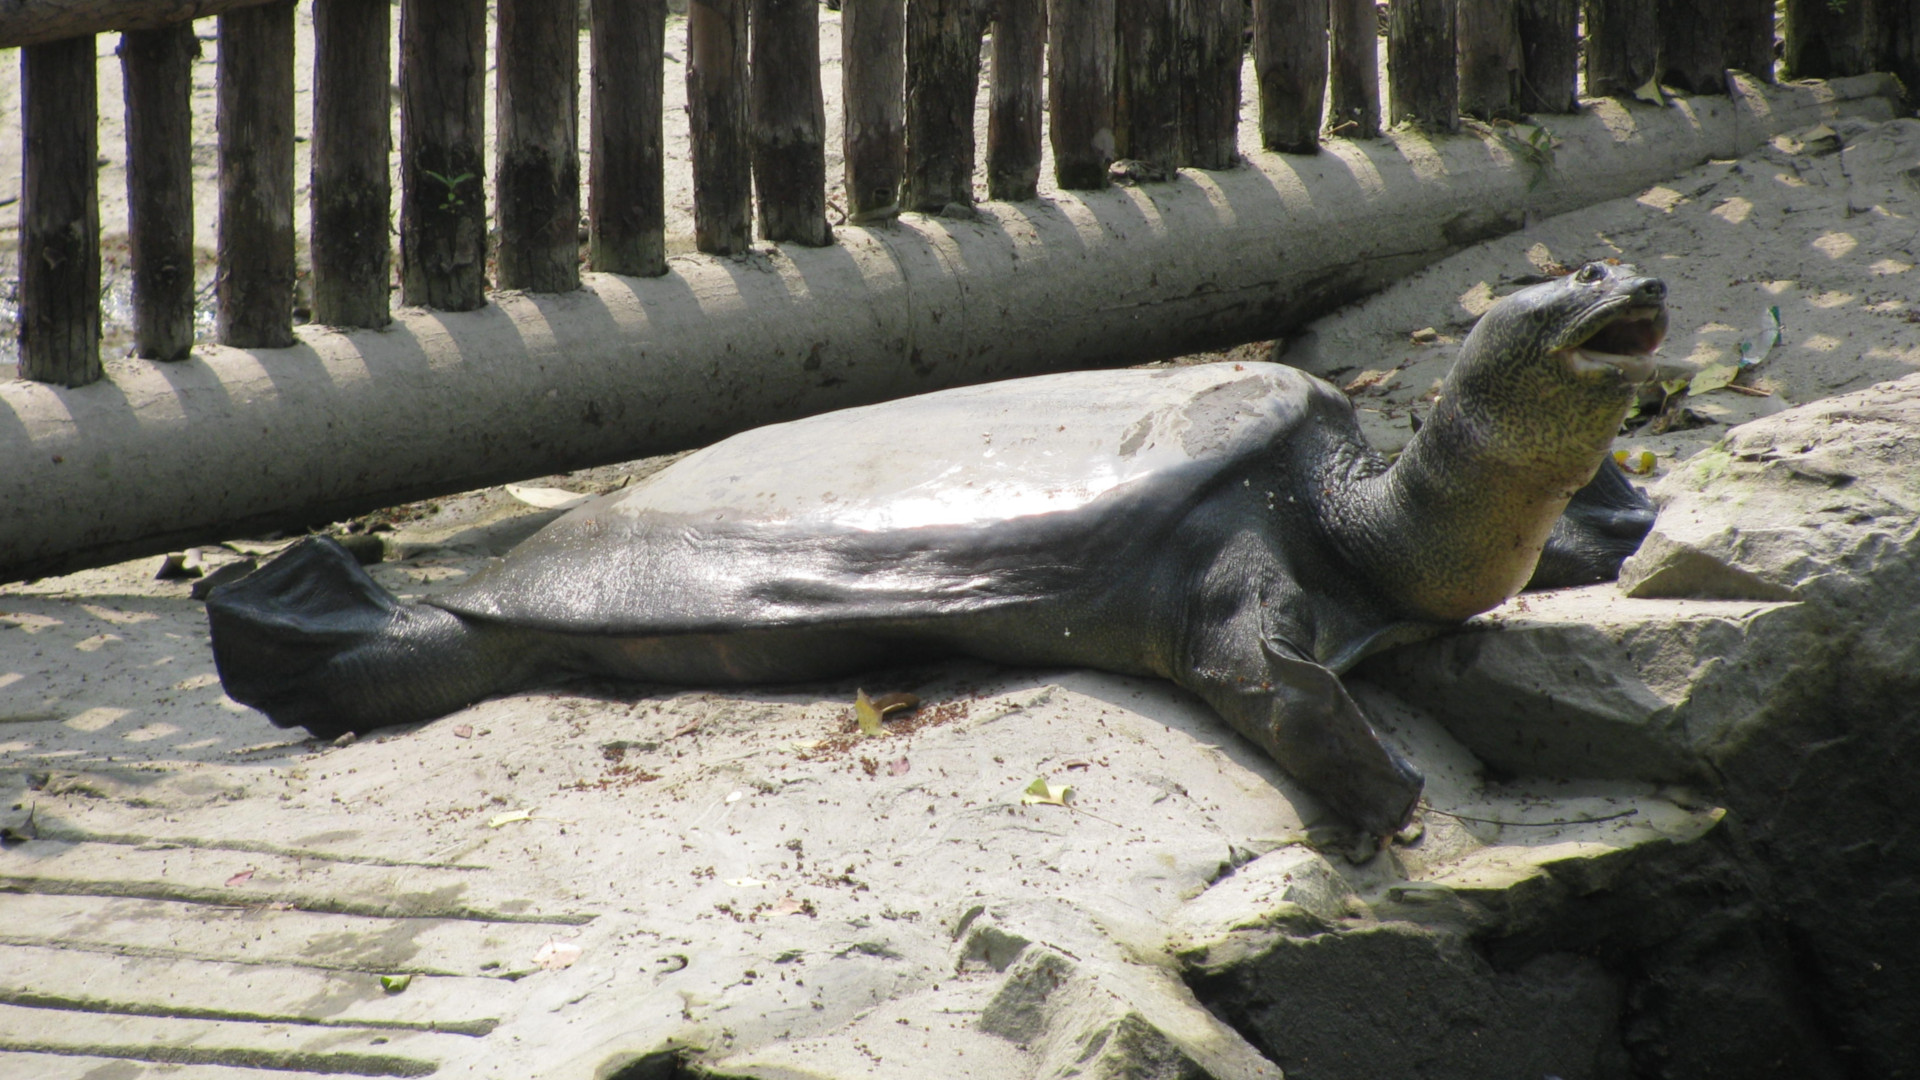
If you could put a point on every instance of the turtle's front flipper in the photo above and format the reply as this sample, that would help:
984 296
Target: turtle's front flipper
1603 524
313 642
1297 711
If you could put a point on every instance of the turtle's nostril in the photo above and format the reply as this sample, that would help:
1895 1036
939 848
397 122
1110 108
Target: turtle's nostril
1651 291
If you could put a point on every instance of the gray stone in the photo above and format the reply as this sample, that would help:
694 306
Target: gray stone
1763 646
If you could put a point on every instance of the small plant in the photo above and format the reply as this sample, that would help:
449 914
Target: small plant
450 200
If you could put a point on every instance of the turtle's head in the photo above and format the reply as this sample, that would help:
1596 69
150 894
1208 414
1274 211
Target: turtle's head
1566 353
1605 321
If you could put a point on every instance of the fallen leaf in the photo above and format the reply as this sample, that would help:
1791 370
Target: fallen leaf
509 818
394 984
464 731
21 833
868 716
1651 93
1711 378
240 878
555 955
1041 793
1639 464
898 767
546 498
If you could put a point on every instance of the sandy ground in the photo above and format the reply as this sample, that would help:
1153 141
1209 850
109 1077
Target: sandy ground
217 882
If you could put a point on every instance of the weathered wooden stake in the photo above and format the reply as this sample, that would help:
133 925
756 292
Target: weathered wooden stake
59 215
1693 46
1290 61
1901 45
352 137
789 122
537 158
943 77
1549 55
1489 57
1826 38
1353 86
1423 81
443 191
1213 44
1080 91
1148 87
1623 46
717 113
1750 37
628 202
1014 129
254 295
873 36
157 70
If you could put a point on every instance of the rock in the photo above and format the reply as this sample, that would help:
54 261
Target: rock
1767 650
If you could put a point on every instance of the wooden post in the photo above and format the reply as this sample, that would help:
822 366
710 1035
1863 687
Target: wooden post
1013 110
156 69
1901 45
443 191
627 208
1148 87
1213 44
1353 87
1826 39
789 122
1693 45
1750 37
1549 55
537 157
59 215
1080 91
1423 82
254 297
1623 46
352 137
943 77
1489 49
717 112
873 61
1290 61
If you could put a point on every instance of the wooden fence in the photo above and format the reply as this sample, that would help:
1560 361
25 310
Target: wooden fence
1154 81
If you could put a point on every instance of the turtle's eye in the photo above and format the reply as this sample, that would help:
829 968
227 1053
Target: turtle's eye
1589 274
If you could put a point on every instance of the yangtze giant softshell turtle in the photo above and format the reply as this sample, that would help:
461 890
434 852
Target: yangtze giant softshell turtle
1223 526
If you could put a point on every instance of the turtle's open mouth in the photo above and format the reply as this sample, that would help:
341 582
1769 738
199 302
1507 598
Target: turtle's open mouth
1624 343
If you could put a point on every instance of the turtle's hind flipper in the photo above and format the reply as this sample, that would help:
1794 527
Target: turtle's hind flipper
314 642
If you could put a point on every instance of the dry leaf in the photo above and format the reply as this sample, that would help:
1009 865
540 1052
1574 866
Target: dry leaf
1651 93
509 818
464 731
1041 793
240 878
556 954
898 767
546 498
868 716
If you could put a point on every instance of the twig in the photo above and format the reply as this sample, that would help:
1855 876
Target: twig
1537 824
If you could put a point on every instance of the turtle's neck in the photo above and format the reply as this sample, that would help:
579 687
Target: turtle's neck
1455 526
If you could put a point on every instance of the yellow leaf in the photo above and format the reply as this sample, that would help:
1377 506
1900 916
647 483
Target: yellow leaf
1712 377
394 984
1639 464
510 818
1651 92
1041 793
868 716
